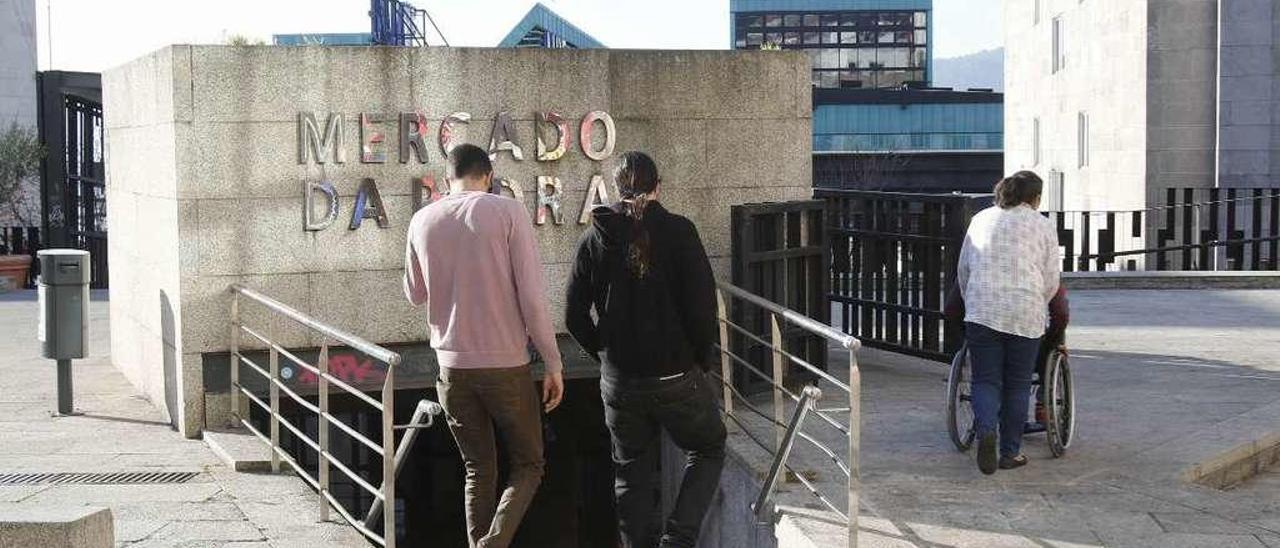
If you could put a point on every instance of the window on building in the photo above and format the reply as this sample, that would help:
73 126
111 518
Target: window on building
791 20
1082 138
848 38
830 20
1054 192
773 20
754 39
811 20
1035 142
811 38
1059 45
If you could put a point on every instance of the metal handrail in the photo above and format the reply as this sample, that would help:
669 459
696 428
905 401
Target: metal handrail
392 457
374 351
787 430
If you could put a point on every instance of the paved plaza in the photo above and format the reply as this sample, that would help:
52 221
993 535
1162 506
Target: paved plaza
1165 380
122 432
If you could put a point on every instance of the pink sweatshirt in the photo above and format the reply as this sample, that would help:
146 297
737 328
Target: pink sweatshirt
472 259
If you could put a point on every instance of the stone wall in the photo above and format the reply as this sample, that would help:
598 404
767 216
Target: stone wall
205 178
1182 57
1249 102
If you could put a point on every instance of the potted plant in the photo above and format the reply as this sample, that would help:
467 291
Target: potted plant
20 155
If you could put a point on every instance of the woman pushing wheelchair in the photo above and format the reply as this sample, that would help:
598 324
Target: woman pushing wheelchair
1008 278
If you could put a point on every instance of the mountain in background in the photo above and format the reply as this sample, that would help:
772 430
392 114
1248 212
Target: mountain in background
984 69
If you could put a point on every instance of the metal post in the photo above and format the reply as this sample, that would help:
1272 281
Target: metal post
779 409
64 388
726 365
807 397
855 441
322 363
235 358
275 410
388 458
423 417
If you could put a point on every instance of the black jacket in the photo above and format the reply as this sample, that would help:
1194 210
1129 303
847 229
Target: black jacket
658 325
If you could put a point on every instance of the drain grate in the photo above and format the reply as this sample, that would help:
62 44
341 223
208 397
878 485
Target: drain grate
86 478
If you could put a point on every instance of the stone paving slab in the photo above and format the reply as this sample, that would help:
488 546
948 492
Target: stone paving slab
1165 380
120 431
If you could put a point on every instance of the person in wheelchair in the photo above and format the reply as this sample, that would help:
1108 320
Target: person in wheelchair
1055 338
1008 271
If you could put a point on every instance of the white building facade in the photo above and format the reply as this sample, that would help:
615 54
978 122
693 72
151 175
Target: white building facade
17 63
1114 102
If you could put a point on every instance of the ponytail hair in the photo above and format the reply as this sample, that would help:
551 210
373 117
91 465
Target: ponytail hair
637 176
1023 187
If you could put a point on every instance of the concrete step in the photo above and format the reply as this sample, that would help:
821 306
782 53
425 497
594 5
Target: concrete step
1228 453
27 526
239 449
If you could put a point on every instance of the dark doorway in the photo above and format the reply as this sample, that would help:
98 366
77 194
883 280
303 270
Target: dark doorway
573 507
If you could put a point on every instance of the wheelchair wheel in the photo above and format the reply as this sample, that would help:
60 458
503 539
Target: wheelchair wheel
1060 403
961 422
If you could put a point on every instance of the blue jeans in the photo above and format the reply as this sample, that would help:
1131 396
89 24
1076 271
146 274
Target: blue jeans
1002 367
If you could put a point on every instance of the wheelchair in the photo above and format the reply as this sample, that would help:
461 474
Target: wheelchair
1054 389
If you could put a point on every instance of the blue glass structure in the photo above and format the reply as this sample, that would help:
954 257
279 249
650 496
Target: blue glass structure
851 43
543 28
872 121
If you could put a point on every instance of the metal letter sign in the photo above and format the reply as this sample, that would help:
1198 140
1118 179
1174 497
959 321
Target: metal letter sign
503 137
369 205
588 126
562 137
598 194
310 144
449 131
512 185
372 142
550 190
427 191
309 189
413 125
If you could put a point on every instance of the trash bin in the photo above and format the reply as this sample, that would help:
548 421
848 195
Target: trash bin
63 290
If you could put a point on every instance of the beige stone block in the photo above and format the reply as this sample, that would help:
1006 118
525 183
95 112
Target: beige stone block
368 304
206 311
139 93
238 84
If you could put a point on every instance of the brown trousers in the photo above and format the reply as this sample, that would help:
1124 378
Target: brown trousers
475 402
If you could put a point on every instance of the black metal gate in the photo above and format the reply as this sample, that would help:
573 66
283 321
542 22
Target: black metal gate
780 253
86 193
73 187
893 260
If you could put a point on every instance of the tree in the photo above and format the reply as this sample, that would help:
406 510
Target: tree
20 155
242 40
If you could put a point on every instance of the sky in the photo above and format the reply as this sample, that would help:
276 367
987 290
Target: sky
95 35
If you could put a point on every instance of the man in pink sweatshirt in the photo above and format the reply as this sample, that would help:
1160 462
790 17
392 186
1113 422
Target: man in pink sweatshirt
472 259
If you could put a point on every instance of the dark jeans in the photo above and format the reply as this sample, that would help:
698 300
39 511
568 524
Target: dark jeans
475 401
634 411
1002 367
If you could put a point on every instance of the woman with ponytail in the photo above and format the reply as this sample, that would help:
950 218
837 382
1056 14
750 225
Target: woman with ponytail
1008 272
643 271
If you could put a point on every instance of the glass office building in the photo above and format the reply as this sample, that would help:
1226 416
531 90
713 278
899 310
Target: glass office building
851 43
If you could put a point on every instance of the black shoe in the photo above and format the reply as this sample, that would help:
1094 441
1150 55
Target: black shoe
987 453
1009 463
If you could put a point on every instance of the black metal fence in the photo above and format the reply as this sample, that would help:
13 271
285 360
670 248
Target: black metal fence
893 258
1191 229
780 253
22 240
